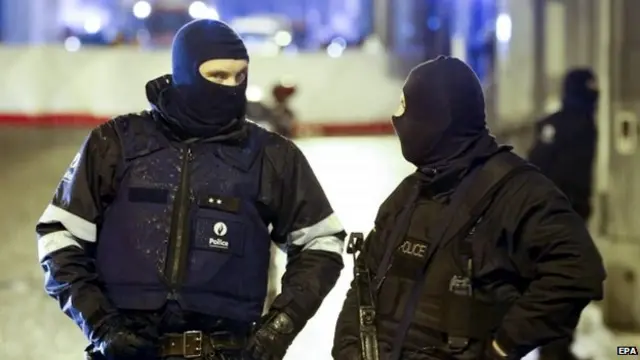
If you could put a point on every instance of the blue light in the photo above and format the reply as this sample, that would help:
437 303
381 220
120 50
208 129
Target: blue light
433 23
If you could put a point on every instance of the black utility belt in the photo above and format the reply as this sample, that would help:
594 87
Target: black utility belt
195 344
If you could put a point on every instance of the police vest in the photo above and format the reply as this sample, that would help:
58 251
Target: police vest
447 304
212 254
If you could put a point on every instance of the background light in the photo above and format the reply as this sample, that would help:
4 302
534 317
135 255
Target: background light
93 25
336 47
141 10
200 10
254 93
72 44
503 28
282 38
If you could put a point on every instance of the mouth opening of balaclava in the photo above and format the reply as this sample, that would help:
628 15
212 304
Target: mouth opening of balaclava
202 108
579 90
442 121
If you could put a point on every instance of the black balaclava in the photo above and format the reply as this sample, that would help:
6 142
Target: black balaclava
201 108
579 91
442 128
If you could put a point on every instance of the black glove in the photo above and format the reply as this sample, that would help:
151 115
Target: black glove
115 339
272 339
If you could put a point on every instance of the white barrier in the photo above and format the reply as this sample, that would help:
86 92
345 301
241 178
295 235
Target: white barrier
97 82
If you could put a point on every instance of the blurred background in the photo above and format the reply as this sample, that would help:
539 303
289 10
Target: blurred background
329 74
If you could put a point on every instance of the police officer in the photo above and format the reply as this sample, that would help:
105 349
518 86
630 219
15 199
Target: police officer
156 243
284 121
565 142
476 255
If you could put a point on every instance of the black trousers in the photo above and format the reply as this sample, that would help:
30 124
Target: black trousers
557 350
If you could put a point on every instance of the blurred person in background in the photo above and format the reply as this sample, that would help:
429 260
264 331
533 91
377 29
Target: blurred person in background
476 255
565 143
283 117
564 150
156 243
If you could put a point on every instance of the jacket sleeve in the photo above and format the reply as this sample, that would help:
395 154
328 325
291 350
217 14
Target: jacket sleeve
306 227
346 339
568 272
66 231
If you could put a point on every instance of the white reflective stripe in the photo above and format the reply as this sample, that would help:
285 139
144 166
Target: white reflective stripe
326 243
79 227
54 242
319 236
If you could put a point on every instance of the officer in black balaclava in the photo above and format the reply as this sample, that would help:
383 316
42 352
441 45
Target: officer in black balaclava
517 279
157 241
441 120
565 142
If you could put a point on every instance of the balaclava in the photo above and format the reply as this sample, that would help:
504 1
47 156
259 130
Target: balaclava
579 91
443 116
201 106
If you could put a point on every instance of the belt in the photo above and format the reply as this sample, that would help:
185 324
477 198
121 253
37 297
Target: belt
195 344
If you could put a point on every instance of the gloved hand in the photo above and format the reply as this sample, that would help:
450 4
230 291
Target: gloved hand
272 339
491 352
114 339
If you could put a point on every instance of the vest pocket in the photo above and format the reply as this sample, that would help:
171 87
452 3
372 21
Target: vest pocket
221 234
218 242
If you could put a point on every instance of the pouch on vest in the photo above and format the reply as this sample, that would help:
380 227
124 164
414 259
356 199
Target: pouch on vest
466 316
220 230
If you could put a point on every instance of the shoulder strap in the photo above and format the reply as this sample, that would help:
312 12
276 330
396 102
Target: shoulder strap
470 200
494 173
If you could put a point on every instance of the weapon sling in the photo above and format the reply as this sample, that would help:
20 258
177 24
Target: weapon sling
366 306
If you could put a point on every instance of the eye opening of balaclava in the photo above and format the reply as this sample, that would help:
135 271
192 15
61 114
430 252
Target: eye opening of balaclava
200 100
442 112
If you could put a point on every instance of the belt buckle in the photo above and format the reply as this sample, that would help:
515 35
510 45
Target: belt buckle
188 351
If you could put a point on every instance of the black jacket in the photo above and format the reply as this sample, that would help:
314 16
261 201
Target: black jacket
531 250
291 200
532 254
564 150
565 142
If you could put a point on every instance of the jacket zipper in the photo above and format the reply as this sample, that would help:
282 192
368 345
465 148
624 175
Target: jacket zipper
180 232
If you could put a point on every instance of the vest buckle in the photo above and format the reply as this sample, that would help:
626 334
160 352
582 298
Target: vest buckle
457 344
461 285
192 344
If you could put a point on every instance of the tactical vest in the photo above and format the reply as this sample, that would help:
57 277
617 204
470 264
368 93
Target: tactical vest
444 299
212 255
447 300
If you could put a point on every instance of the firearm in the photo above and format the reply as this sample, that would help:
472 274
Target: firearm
366 306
